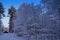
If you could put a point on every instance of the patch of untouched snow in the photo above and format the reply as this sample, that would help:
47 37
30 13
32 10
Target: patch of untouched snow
10 36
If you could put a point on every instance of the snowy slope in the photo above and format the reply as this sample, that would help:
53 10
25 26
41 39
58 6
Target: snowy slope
10 36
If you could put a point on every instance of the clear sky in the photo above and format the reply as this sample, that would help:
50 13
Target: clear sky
16 4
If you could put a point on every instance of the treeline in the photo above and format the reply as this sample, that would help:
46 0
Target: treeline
38 22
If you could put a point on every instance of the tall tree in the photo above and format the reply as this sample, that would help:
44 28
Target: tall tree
11 12
28 20
1 14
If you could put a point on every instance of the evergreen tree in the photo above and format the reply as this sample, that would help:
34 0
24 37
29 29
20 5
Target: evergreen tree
1 14
11 12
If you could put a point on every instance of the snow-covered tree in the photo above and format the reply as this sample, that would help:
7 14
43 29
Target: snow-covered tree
27 16
1 13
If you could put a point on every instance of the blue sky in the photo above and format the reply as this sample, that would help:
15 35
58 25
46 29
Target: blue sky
16 4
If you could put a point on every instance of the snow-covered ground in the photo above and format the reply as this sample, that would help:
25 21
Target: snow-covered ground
10 36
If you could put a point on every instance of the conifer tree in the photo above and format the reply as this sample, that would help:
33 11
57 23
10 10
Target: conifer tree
11 12
1 14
